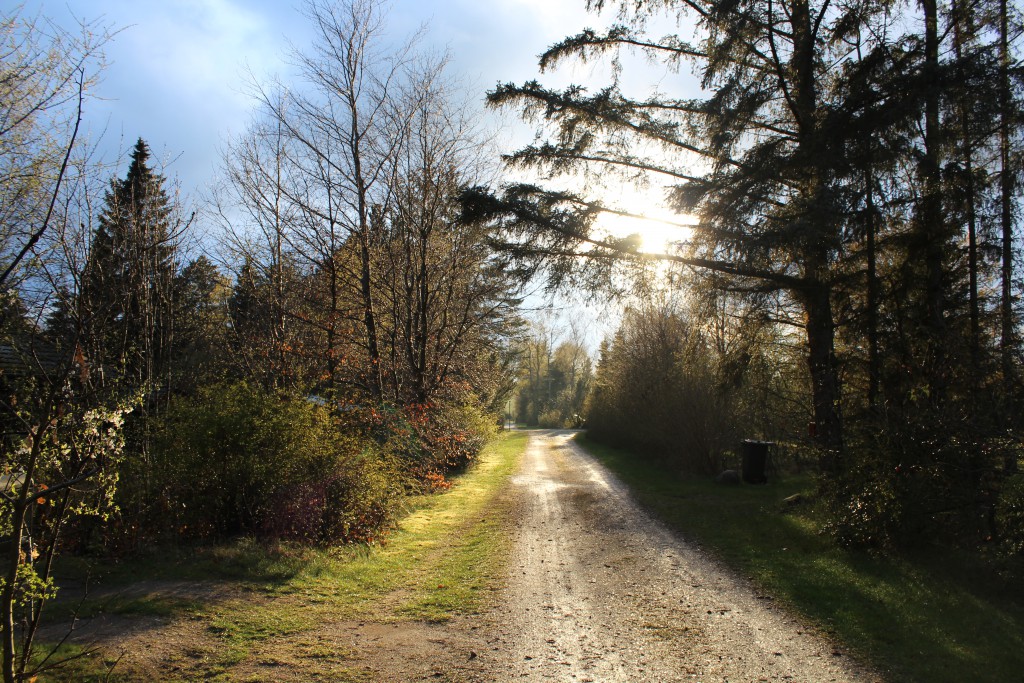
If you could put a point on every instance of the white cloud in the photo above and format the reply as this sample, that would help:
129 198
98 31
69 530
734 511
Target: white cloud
177 72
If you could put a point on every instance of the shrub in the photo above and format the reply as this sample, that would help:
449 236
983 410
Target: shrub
349 504
550 419
656 391
427 441
458 433
908 479
865 506
1009 518
236 459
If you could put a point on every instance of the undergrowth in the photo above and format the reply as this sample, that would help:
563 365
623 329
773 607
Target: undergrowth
445 557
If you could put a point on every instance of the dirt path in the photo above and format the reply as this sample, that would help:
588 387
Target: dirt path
596 591
599 592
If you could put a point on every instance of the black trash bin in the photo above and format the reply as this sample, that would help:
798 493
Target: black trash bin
755 461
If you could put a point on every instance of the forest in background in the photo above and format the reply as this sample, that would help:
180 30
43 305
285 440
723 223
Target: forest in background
851 290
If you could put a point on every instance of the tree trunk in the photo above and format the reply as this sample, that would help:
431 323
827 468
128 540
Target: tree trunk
1006 340
7 597
19 511
369 316
874 364
816 295
961 24
821 360
278 265
930 216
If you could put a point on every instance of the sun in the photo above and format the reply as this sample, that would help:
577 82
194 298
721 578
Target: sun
656 236
642 213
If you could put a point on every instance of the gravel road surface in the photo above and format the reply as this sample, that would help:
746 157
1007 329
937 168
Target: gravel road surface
598 591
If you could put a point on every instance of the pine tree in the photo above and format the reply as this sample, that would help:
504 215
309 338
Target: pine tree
200 323
126 302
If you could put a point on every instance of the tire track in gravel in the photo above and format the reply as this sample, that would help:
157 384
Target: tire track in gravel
599 591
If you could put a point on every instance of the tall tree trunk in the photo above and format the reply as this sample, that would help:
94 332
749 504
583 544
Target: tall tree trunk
874 364
1007 340
367 218
930 214
1006 187
369 315
278 265
961 18
821 360
816 294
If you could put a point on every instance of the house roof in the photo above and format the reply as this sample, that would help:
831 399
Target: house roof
28 356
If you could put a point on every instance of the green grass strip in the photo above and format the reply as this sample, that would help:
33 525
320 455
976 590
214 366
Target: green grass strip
445 558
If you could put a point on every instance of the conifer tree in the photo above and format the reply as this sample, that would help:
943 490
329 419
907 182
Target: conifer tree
820 158
762 159
126 303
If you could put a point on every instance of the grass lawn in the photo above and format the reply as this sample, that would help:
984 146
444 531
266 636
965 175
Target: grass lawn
929 616
445 557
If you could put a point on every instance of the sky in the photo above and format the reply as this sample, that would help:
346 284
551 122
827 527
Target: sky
178 70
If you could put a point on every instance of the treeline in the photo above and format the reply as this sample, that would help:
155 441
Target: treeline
555 375
347 289
319 338
854 172
687 388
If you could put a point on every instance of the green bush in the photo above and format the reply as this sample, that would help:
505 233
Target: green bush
550 419
1010 515
865 507
238 460
910 479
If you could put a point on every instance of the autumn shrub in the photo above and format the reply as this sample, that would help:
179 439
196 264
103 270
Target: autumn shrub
240 460
427 442
458 432
442 439
353 503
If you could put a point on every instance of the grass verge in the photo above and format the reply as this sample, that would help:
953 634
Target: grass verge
445 557
932 616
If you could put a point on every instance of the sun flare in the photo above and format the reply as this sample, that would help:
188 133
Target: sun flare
658 231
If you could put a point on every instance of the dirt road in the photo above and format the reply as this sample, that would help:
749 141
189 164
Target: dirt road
596 591
600 592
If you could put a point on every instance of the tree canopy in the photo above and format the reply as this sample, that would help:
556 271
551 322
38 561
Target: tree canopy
851 168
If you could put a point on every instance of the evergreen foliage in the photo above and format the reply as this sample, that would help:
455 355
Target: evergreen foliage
127 289
849 165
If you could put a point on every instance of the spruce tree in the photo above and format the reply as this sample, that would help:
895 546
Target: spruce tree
127 287
818 157
762 159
